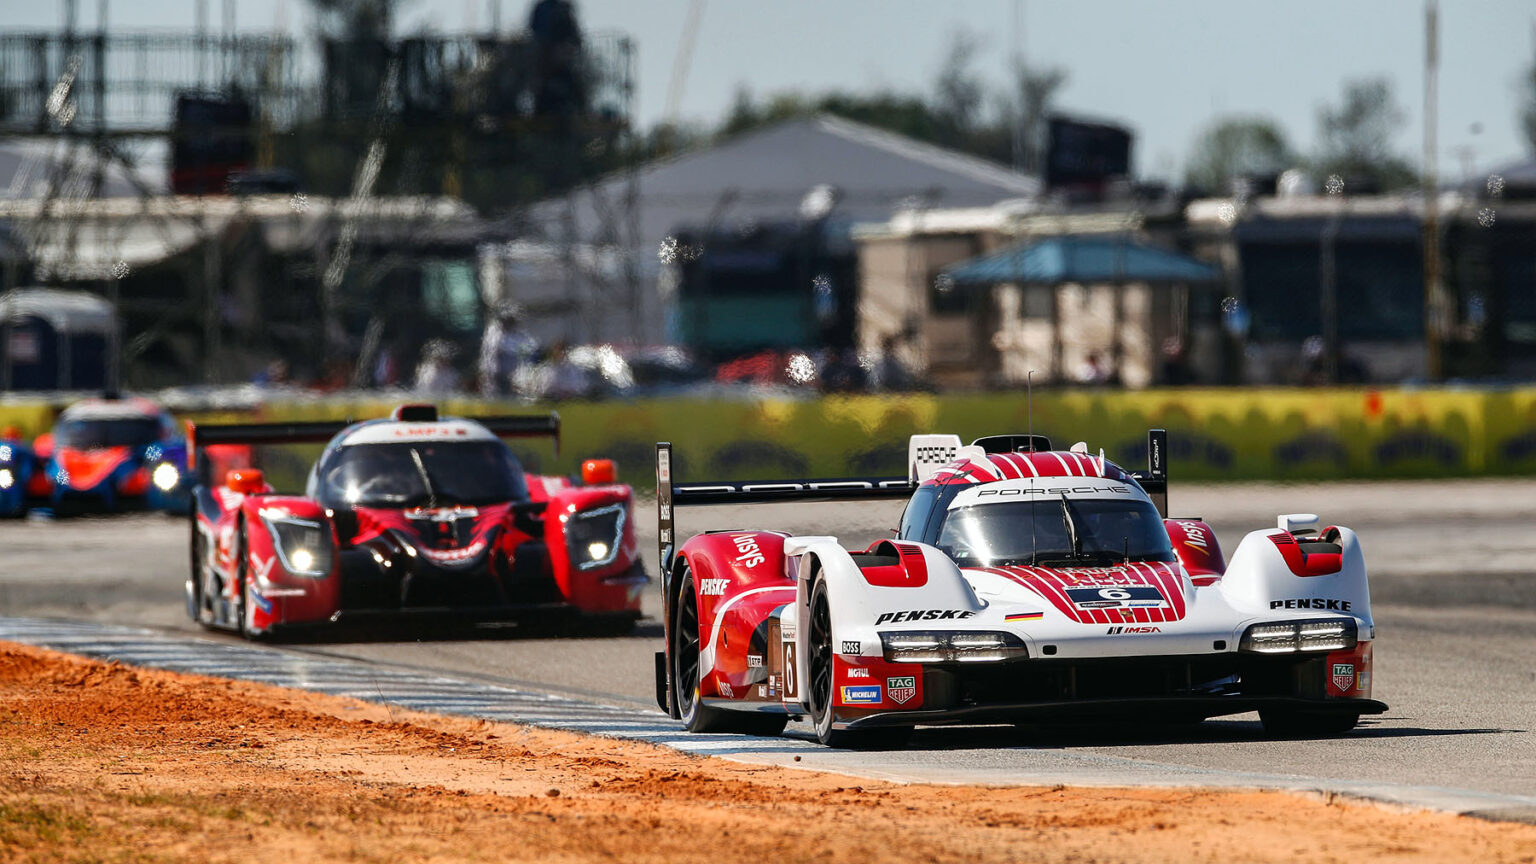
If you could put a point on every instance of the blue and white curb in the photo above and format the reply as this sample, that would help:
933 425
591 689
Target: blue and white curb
379 684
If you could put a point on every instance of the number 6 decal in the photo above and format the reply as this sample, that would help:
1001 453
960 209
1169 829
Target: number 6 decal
1114 594
790 679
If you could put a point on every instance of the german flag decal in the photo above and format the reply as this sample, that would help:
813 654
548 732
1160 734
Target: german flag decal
1024 616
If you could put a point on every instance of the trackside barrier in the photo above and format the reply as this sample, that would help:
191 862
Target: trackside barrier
1213 434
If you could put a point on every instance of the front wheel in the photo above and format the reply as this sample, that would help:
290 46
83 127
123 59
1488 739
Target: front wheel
697 716
1292 723
245 607
823 684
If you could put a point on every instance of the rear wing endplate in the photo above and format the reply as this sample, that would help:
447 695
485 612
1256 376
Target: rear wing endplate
1154 481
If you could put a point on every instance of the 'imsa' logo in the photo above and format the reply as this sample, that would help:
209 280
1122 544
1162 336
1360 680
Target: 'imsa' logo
901 689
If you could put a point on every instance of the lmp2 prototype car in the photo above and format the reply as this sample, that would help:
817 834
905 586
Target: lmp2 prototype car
413 518
102 455
1024 585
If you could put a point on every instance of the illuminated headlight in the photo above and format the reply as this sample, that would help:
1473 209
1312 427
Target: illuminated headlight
303 545
7 479
966 646
593 537
166 476
1290 637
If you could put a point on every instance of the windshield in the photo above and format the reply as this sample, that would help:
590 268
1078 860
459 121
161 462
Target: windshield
1043 532
115 432
422 474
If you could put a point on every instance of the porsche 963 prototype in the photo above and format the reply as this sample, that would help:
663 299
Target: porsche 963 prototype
1023 585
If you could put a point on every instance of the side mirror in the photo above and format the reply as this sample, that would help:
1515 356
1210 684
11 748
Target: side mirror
246 481
596 472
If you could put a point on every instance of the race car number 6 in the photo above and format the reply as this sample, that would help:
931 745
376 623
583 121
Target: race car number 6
1114 594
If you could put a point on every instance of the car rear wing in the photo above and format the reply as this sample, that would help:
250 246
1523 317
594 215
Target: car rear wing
1154 481
319 432
669 496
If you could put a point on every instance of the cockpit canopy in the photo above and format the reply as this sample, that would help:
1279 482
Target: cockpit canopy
422 473
1062 532
1042 522
92 433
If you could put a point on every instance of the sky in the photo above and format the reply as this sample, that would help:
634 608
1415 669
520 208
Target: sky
1165 69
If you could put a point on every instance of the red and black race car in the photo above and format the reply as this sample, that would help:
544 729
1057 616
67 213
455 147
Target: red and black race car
416 517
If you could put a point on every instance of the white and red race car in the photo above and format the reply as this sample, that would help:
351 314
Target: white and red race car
1023 585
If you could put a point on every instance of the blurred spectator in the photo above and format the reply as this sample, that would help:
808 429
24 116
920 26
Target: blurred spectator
1176 371
889 374
386 369
435 373
1093 370
274 375
557 58
336 375
566 379
842 373
504 349
1314 366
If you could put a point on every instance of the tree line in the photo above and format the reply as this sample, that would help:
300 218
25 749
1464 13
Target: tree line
1007 124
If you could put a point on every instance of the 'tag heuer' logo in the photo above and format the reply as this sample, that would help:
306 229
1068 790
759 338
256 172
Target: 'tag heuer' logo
1344 676
901 689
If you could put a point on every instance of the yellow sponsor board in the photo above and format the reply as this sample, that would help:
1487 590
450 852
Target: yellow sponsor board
1214 434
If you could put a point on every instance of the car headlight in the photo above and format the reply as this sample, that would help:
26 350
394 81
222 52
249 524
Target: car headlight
961 646
7 479
593 537
303 545
165 476
1291 637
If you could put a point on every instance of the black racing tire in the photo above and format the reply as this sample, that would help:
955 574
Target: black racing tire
200 609
243 603
1294 723
697 716
821 684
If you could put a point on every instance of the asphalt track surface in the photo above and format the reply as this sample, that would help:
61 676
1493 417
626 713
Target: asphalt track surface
1453 581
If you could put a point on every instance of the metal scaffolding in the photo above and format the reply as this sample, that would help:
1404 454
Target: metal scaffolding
372 145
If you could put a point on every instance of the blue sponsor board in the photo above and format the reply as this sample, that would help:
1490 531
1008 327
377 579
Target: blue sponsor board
866 694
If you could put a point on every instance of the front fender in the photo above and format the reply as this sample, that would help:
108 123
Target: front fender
280 595
1269 575
1195 545
594 579
862 601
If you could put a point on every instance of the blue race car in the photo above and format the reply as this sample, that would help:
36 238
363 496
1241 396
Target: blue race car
103 455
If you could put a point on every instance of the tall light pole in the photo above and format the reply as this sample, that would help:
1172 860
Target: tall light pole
1434 302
